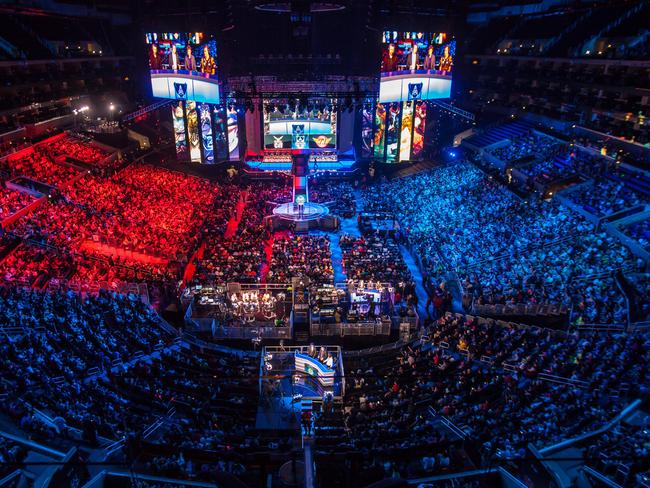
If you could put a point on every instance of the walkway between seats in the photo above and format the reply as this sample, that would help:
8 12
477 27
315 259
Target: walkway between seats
108 250
337 258
233 223
417 277
348 226
268 257
190 269
351 224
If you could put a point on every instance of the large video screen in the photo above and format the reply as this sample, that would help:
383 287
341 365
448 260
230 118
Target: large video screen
183 66
416 66
295 125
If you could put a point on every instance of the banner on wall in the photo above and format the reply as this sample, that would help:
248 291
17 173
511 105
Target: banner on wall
233 133
380 131
419 126
220 132
392 131
366 132
406 134
178 122
193 131
205 112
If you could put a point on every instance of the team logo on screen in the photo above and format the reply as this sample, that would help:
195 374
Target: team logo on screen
181 90
300 142
415 91
277 142
321 141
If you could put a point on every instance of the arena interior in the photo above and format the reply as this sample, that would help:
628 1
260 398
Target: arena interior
325 244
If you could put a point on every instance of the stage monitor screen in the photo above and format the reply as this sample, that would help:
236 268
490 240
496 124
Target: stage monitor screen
183 66
292 125
416 66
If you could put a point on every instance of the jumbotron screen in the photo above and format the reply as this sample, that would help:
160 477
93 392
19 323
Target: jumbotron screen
292 125
416 66
183 66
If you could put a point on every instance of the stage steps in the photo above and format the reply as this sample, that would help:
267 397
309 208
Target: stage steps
302 336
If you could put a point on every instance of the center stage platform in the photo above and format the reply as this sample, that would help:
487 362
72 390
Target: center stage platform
295 212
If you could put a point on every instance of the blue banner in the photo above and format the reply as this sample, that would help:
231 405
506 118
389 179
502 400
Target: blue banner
206 133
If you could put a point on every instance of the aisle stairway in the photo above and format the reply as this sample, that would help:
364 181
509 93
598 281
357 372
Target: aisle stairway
233 223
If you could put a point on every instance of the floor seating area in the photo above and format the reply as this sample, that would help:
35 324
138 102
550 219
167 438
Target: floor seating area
298 256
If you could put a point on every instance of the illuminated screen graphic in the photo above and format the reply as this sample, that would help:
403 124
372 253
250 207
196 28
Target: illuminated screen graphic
366 131
233 134
205 113
416 66
178 121
220 133
407 132
183 66
419 126
392 131
193 131
290 125
380 131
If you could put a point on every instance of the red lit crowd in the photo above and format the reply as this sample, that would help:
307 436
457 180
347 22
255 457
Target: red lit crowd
11 201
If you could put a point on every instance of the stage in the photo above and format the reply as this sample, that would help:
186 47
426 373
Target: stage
292 378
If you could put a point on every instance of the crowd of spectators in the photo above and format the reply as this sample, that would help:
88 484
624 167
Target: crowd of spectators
12 201
140 225
640 296
48 363
640 232
33 266
373 258
71 147
12 456
36 163
298 256
460 371
239 256
531 143
145 209
504 250
610 193
563 165
60 338
622 454
339 195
